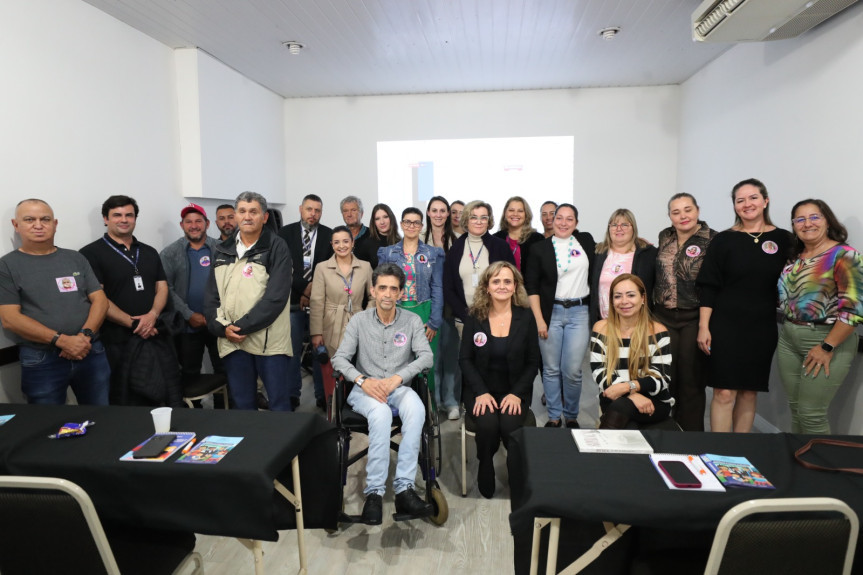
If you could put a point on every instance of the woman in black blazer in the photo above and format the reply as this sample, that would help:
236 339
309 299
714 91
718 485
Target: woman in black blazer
499 361
558 285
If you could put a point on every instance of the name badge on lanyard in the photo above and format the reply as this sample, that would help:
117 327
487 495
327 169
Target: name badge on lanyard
139 283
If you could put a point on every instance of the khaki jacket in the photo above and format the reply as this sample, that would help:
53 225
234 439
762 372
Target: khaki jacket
331 307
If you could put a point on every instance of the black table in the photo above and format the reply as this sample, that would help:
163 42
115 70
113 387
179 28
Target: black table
550 478
241 496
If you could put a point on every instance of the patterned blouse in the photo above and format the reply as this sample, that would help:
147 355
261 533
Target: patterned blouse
677 268
824 288
653 386
410 291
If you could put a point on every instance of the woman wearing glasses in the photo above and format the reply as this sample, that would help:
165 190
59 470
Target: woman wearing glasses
516 230
383 231
820 297
622 252
466 260
558 286
737 324
423 267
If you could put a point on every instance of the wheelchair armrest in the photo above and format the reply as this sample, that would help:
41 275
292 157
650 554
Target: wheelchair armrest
340 394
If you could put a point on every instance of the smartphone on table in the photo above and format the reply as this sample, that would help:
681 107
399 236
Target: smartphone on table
679 474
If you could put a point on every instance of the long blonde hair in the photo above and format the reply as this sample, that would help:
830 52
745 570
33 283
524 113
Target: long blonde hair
481 298
527 227
642 335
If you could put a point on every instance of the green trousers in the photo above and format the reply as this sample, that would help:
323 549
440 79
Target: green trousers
810 397
424 311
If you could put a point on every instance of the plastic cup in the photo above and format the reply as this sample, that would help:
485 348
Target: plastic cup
162 419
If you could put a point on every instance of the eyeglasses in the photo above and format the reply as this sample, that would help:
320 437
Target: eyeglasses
814 219
478 219
412 223
621 226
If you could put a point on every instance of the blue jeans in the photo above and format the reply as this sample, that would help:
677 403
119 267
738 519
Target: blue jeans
299 327
243 370
380 417
448 388
562 355
45 376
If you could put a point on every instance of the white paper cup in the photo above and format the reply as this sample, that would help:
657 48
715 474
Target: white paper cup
162 419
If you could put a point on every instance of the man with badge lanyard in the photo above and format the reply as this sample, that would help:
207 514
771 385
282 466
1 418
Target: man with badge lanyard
393 349
52 306
187 266
134 281
308 241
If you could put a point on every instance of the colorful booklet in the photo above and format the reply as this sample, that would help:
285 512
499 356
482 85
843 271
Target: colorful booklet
181 439
610 441
5 418
211 449
735 471
705 479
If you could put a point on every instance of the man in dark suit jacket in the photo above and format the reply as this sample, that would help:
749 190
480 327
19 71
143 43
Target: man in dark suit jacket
309 243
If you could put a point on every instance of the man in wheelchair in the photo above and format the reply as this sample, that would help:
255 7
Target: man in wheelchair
390 348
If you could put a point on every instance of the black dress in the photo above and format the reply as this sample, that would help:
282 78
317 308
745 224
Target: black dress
738 279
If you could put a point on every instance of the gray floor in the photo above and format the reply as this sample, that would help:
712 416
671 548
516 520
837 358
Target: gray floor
475 538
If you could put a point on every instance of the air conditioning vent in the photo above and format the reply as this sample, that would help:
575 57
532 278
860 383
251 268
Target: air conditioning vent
759 20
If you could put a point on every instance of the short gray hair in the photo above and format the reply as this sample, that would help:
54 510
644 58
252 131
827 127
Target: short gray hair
351 200
251 197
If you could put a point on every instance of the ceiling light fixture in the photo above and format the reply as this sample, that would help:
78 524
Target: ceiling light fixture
293 47
609 33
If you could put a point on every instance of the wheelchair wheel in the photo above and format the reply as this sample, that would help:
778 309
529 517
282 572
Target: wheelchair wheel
441 509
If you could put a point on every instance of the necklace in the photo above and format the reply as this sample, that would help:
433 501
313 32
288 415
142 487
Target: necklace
568 254
753 236
502 317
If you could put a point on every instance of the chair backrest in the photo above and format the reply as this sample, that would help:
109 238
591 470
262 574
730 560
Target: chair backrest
794 535
49 525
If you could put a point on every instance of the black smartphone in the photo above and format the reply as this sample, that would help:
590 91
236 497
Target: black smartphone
679 474
154 447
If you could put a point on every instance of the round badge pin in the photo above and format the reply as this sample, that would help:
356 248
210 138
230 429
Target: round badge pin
247 271
693 251
574 252
770 247
480 339
422 258
399 339
617 269
204 261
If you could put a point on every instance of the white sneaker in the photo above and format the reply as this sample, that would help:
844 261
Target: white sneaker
453 413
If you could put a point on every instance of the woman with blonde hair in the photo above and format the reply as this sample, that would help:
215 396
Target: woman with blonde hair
621 252
499 361
629 358
517 231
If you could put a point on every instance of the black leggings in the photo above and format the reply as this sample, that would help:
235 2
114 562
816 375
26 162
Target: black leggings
623 407
492 428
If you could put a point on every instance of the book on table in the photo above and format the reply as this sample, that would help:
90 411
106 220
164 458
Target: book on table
180 440
211 449
611 441
736 471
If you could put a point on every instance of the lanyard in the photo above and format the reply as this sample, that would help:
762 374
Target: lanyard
348 282
134 262
474 260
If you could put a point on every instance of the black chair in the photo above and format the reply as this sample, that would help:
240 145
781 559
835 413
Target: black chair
49 525
200 386
349 421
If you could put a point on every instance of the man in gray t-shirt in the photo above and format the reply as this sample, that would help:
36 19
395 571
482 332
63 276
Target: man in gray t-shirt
52 306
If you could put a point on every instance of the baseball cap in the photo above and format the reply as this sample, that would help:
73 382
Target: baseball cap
193 208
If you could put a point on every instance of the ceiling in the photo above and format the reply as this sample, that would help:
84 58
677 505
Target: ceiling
366 47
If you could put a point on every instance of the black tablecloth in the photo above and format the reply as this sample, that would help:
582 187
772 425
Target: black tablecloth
549 477
234 497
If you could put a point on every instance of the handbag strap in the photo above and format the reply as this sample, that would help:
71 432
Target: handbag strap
836 442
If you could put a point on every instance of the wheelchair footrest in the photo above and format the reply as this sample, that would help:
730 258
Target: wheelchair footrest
408 516
345 518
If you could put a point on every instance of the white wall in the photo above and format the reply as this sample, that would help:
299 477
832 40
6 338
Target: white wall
625 143
88 108
789 114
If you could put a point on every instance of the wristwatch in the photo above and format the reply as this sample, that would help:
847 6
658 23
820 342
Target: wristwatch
360 381
632 388
55 338
88 332
827 347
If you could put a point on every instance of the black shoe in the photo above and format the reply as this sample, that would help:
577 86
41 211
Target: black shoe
552 423
295 403
485 478
572 424
322 404
373 510
262 402
409 503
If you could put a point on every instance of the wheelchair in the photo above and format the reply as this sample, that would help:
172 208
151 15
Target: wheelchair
348 422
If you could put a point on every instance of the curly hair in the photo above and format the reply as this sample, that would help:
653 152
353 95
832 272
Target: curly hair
482 299
526 228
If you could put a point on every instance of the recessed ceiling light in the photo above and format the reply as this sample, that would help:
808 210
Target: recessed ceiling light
293 46
609 33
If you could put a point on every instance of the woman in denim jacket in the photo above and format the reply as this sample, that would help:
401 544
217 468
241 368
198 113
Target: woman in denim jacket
423 267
